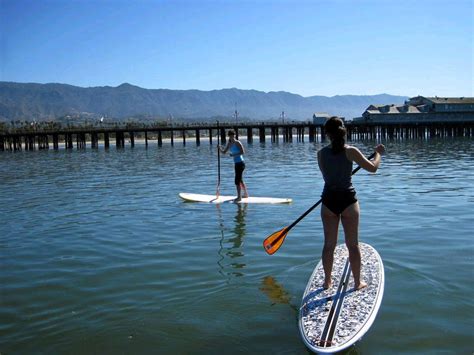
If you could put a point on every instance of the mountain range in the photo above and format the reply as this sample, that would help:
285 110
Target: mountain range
41 102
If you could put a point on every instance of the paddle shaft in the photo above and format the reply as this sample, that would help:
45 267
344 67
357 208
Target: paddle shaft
319 202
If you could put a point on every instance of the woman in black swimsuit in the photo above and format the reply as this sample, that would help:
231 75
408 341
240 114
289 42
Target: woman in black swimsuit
339 197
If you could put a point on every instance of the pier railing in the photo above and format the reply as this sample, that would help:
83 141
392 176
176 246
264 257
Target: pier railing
45 137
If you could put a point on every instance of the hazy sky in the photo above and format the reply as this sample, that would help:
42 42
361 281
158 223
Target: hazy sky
360 47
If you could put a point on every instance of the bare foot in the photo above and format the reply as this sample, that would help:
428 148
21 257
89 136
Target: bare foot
237 200
361 285
327 285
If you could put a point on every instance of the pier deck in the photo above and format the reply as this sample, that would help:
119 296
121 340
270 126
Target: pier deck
18 139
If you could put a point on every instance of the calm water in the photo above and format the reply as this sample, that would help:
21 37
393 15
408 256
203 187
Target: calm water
99 255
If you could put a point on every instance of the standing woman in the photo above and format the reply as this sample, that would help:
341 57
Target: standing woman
339 197
236 151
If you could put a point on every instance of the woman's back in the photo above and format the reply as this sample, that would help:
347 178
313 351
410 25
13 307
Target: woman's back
236 153
336 170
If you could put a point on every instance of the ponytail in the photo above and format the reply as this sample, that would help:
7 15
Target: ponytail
334 127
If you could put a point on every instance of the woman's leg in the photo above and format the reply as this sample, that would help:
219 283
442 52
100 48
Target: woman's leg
238 180
330 225
242 183
350 222
238 193
246 194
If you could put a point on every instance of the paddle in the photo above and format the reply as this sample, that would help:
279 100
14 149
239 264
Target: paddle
273 242
218 164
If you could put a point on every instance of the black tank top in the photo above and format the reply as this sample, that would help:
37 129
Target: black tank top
336 170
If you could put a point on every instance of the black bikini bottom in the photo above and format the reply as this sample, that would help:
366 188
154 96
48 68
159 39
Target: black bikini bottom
338 201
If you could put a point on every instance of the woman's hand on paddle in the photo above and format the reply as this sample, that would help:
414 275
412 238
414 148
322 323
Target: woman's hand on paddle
380 148
378 151
223 150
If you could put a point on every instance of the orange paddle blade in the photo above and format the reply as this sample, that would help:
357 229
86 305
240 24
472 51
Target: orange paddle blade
272 243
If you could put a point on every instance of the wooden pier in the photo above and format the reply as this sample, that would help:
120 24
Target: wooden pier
15 140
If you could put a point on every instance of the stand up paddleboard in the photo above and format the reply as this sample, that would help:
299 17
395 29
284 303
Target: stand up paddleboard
334 319
223 199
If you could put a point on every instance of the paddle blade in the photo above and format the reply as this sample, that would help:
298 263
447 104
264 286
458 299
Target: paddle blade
273 242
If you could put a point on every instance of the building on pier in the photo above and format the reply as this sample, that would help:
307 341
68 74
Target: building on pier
320 118
421 110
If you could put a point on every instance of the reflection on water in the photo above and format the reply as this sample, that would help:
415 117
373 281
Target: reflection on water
275 292
231 246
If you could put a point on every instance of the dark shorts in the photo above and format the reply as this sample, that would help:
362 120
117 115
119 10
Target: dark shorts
239 170
338 201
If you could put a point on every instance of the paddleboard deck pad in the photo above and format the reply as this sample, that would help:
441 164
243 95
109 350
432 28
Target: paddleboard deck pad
223 199
332 320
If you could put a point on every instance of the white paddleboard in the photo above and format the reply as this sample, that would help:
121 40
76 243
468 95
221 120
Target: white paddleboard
334 319
222 199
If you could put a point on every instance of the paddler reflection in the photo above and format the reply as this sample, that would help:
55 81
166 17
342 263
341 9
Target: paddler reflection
230 250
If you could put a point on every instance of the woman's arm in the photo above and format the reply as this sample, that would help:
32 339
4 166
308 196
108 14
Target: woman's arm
355 155
319 161
224 150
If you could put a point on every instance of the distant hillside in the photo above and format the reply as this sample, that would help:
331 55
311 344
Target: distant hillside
20 101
